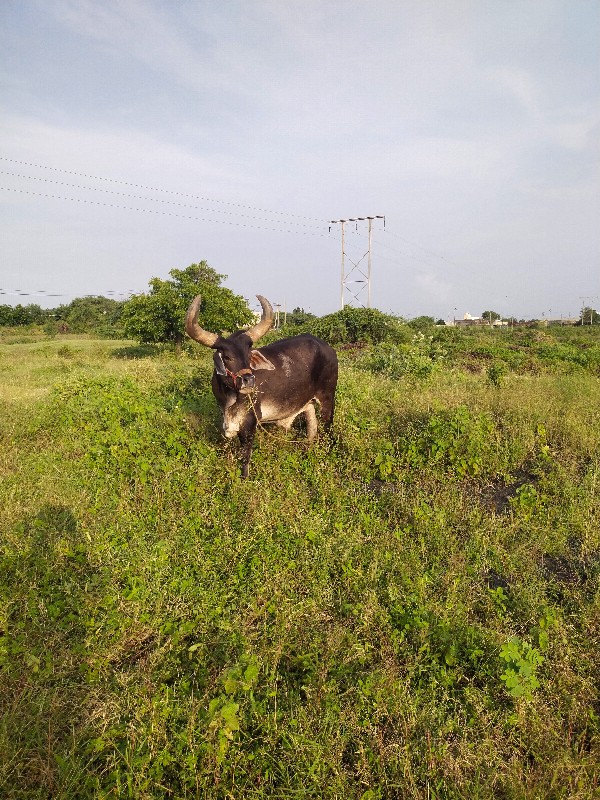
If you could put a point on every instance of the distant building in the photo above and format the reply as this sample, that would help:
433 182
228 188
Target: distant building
469 321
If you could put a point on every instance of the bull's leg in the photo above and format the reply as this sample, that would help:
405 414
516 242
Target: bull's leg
310 415
327 401
246 437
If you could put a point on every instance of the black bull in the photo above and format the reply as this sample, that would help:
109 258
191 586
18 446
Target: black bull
274 383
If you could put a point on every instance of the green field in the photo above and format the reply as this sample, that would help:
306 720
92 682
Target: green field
410 610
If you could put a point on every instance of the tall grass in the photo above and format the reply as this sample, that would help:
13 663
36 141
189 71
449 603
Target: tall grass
410 610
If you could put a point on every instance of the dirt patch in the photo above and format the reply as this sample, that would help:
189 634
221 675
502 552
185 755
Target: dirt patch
496 497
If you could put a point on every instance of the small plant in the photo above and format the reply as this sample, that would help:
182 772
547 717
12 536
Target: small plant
525 500
500 600
384 461
522 661
223 711
496 373
66 351
457 441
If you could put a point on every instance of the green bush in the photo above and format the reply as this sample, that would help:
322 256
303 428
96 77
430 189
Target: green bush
415 360
360 325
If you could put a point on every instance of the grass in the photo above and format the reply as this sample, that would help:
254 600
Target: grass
408 611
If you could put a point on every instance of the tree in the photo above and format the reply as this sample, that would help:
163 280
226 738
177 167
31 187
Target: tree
589 316
31 314
299 317
422 323
491 316
85 314
159 316
6 315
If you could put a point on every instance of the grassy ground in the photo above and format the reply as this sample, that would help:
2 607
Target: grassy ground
408 611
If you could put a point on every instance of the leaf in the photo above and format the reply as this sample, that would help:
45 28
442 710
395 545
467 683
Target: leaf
251 672
230 716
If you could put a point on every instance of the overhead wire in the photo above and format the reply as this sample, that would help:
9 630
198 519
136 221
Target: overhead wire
157 189
278 221
162 213
43 294
138 197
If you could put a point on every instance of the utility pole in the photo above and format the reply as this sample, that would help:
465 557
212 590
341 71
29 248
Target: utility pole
343 222
347 277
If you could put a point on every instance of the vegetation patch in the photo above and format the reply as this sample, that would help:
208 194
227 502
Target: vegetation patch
408 610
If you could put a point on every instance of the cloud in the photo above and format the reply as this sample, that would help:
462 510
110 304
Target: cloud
473 126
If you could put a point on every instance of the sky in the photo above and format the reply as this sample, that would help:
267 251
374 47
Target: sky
139 136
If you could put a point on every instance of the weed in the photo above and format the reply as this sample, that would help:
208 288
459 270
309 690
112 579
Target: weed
522 661
496 373
458 442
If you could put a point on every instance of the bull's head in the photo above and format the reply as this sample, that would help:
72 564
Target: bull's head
235 359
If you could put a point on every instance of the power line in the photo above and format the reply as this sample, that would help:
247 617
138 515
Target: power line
138 197
415 257
156 189
161 213
42 293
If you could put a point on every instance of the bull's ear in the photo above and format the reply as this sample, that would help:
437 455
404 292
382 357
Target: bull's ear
219 365
258 361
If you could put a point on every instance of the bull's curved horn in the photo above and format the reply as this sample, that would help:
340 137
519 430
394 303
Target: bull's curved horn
193 330
266 322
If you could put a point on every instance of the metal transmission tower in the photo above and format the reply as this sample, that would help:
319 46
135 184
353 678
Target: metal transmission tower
351 278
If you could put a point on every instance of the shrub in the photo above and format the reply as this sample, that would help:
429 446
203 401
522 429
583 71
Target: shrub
360 325
395 361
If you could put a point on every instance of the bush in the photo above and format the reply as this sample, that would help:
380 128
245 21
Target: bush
416 360
360 325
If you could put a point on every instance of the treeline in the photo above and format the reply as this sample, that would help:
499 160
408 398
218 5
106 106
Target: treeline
158 316
98 315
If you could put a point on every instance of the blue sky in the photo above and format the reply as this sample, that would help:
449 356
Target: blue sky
237 130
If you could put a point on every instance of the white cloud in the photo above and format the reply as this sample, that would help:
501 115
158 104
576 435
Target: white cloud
473 126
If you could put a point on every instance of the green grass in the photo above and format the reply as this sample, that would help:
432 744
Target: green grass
408 611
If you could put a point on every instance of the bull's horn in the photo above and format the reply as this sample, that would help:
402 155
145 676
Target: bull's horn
266 322
193 330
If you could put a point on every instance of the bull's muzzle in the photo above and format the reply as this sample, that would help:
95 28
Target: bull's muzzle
246 383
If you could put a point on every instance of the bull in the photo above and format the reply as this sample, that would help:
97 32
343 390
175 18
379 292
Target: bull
274 383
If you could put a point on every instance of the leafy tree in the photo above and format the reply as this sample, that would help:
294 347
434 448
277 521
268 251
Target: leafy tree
491 316
422 323
159 316
30 314
299 317
6 315
589 316
89 314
